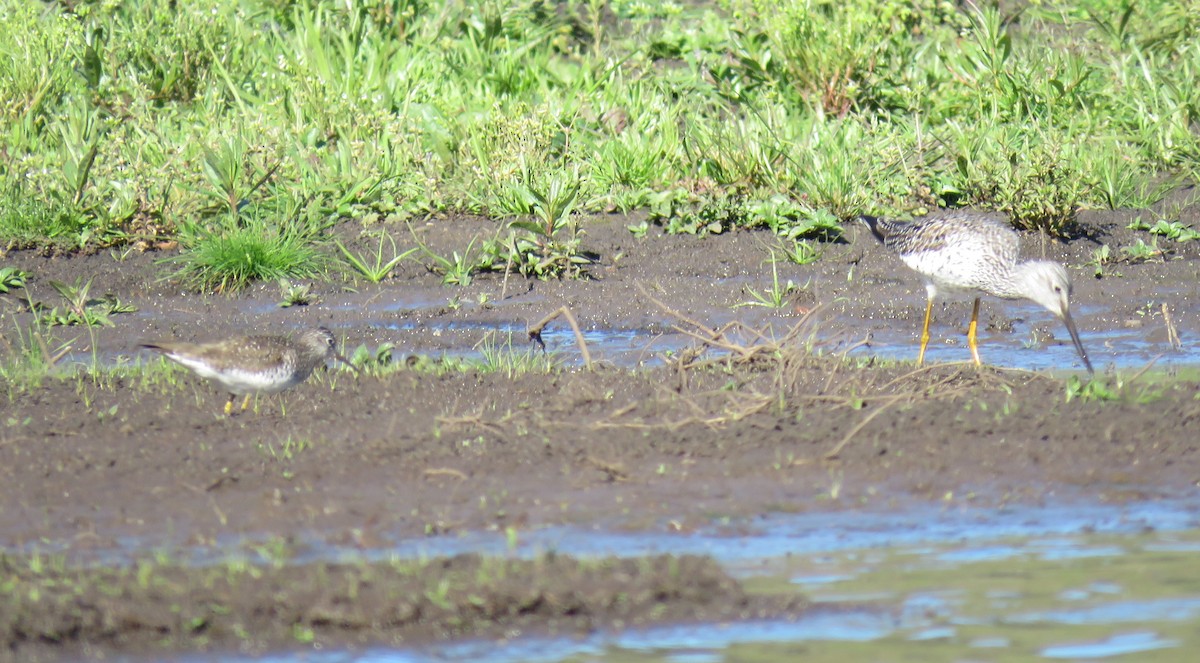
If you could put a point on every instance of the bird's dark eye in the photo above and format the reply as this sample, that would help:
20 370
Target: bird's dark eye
1058 289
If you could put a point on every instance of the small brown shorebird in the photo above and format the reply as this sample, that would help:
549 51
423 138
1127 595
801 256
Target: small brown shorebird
961 252
255 364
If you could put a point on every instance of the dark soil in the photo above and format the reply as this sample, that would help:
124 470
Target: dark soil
52 612
89 465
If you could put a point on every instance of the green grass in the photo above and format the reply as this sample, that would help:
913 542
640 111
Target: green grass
496 354
80 308
125 121
776 295
28 355
375 266
31 221
232 255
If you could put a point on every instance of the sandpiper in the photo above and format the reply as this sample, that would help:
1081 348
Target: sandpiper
962 252
255 364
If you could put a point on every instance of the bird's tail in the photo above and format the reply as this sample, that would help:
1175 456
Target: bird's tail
879 226
873 222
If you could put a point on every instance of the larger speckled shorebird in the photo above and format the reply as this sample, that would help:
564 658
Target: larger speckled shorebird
966 253
255 364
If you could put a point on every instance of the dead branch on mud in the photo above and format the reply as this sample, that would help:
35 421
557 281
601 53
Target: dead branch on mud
443 472
1172 333
718 339
740 345
473 420
714 423
615 472
965 372
535 333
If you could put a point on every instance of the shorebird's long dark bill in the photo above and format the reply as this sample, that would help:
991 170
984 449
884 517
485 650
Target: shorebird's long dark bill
354 368
1078 343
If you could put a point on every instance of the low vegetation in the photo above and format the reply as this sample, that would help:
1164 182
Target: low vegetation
265 600
243 131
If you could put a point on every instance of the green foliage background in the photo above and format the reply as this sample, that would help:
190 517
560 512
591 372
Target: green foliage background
140 120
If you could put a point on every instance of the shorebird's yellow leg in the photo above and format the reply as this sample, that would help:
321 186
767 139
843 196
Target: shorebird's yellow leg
971 342
925 332
246 402
229 405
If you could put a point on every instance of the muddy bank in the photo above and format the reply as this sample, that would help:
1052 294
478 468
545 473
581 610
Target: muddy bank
366 461
154 606
745 426
770 415
866 294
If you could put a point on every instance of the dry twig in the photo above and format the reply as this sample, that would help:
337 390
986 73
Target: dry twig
443 472
1172 333
615 471
535 333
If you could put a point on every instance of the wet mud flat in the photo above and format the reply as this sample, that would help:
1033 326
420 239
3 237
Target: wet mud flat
54 610
755 411
109 465
864 295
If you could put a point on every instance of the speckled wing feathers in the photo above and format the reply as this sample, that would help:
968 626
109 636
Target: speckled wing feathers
954 252
253 353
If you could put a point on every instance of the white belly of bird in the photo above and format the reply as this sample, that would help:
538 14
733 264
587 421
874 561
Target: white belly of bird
950 273
238 381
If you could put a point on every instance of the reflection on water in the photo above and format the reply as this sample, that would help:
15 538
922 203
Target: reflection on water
1022 584
1121 347
645 342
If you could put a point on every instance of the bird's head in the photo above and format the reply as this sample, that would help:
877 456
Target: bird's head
320 342
1046 283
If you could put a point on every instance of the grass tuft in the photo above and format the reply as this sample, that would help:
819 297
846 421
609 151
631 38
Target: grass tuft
231 257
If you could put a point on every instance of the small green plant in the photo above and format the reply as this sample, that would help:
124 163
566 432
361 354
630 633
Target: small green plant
1114 389
1092 390
29 354
791 221
294 294
81 309
681 213
1101 258
639 230
1142 252
1175 230
375 268
373 361
801 252
774 297
456 268
11 278
225 171
542 250
501 357
287 450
